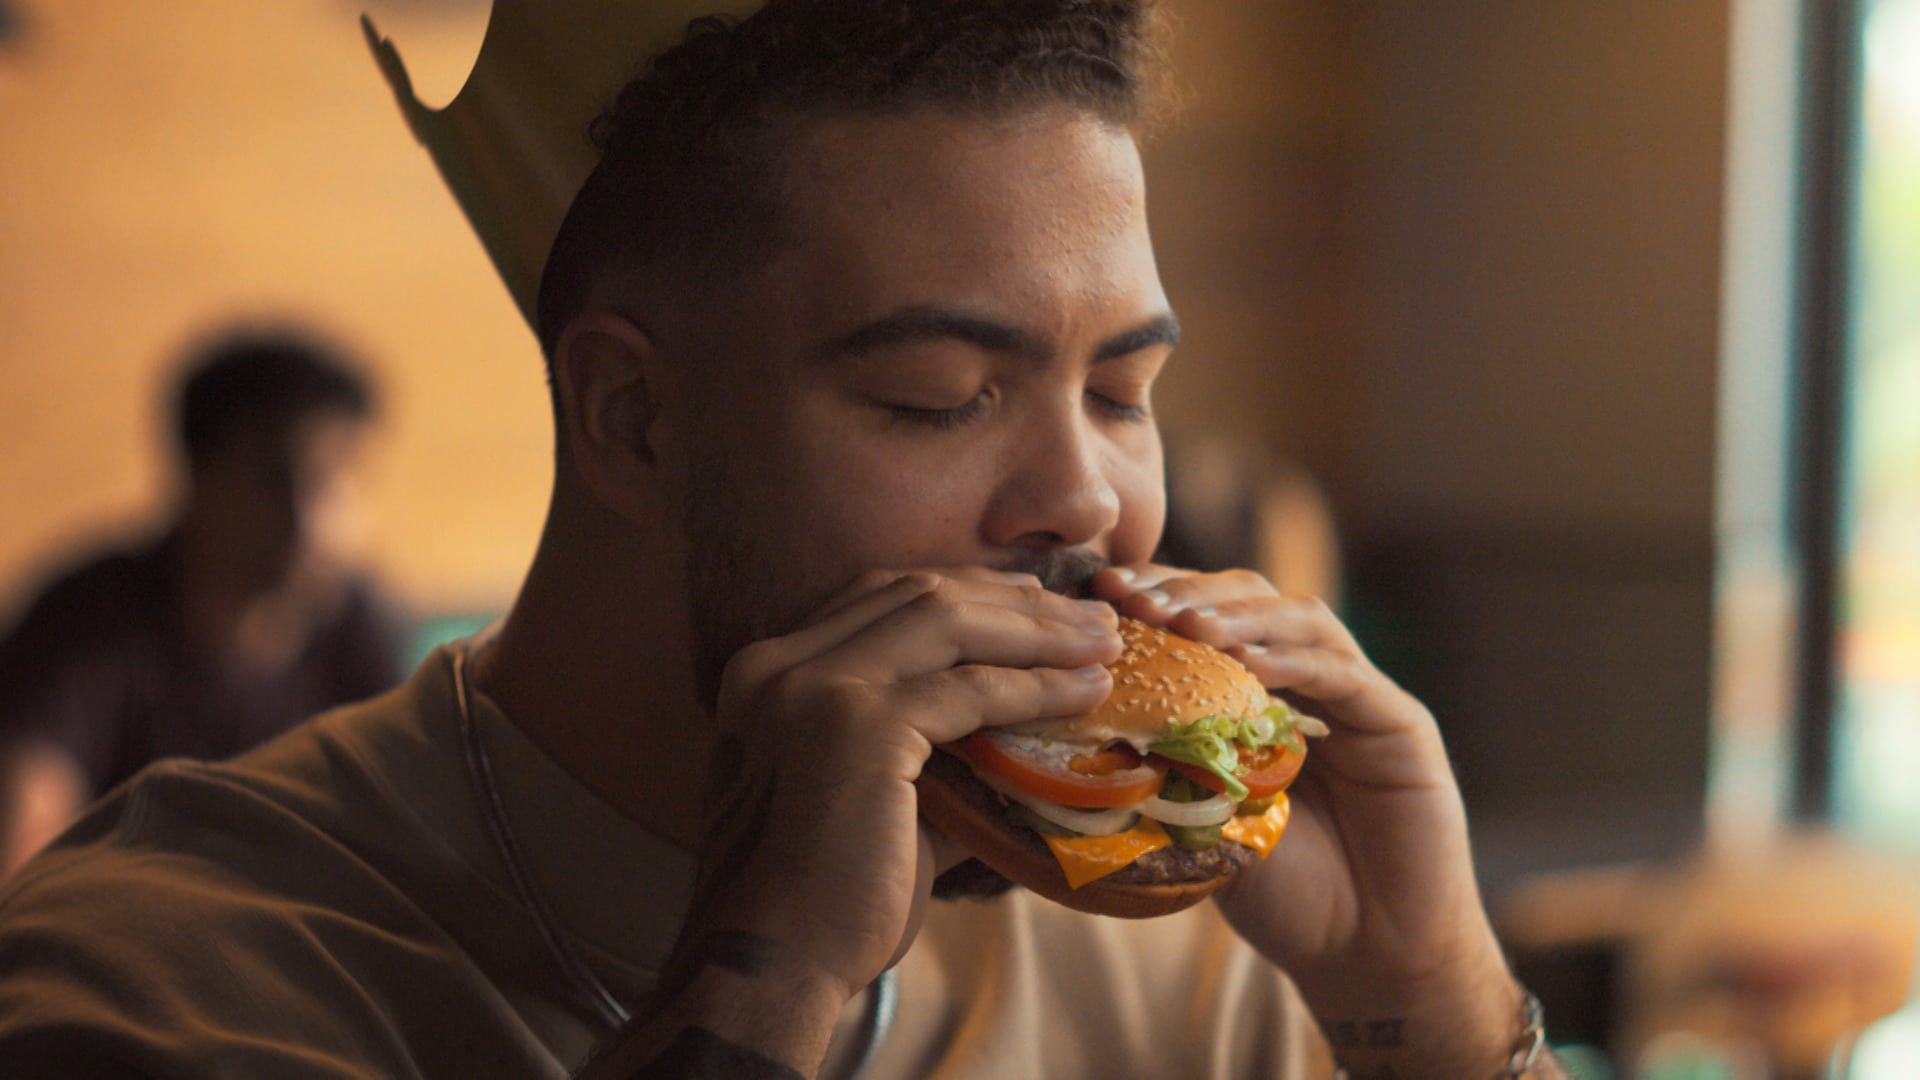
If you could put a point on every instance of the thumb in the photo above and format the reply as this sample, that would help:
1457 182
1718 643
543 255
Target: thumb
926 868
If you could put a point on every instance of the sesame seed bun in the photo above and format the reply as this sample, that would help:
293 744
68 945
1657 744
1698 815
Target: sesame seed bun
1160 679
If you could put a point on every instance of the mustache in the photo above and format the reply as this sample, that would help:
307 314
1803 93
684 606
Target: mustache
1063 570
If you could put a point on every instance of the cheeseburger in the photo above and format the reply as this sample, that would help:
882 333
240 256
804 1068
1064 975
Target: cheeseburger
1145 805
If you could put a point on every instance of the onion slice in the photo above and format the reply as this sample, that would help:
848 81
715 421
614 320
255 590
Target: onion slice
1085 822
1206 812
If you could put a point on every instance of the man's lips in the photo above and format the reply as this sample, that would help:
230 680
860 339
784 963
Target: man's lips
1067 571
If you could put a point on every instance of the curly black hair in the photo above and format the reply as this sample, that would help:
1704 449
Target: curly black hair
688 188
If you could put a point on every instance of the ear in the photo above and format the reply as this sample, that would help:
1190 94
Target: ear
610 386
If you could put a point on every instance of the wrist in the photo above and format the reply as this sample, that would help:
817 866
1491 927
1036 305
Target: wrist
1525 1057
739 989
787 1016
1463 1022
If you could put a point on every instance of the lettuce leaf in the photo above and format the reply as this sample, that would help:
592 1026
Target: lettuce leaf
1214 743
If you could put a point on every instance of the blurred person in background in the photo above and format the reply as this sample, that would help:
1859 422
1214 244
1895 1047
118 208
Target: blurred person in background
1231 505
239 619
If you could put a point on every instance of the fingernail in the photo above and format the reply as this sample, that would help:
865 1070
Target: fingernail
1122 573
1092 672
1207 612
1255 648
1160 597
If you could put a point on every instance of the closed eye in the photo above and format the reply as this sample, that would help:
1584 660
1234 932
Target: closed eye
941 419
1117 409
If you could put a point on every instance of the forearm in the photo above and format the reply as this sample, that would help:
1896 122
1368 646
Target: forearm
733 1008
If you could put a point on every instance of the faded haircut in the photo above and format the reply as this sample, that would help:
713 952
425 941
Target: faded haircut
688 193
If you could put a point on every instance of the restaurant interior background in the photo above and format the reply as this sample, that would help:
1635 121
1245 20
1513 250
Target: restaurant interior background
1597 325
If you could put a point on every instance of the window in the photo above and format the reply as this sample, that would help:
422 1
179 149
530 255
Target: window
1876 736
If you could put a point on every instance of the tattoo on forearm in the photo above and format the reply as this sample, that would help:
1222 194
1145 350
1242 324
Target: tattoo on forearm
699 1054
1389 1033
736 823
739 951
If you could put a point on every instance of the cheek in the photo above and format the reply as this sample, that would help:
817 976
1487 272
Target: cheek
1140 485
882 507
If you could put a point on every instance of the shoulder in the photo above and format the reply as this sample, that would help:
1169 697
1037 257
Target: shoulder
259 843
134 943
98 592
238 920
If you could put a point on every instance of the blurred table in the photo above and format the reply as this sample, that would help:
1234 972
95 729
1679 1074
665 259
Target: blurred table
1777 955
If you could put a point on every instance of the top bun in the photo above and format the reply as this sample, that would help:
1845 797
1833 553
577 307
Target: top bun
1160 679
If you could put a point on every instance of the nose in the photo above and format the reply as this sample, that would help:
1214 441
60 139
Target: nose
1057 490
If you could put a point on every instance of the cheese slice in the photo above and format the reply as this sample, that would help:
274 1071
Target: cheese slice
1260 831
1090 858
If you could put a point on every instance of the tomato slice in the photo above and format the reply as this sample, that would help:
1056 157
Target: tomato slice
1099 780
1266 771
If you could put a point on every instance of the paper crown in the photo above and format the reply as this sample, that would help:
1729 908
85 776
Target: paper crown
513 145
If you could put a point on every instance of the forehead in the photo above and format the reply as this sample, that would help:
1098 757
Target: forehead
1040 214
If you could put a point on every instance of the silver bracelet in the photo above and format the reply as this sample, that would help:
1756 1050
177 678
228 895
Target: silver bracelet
1526 1048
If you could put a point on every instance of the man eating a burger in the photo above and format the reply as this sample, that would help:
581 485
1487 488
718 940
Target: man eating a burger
852 332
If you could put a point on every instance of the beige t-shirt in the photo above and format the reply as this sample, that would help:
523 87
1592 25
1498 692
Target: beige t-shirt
333 904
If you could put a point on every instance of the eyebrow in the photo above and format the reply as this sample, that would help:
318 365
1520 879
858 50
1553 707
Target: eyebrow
1159 330
920 323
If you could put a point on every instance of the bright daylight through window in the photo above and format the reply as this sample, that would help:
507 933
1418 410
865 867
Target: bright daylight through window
1877 747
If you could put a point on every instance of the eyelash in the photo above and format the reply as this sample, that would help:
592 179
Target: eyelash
941 419
948 419
1118 410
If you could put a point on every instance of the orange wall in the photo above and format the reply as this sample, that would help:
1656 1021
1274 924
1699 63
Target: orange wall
164 166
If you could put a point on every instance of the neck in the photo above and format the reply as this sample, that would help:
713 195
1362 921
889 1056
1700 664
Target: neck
593 664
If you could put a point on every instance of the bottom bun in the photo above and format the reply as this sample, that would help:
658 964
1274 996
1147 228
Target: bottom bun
954 801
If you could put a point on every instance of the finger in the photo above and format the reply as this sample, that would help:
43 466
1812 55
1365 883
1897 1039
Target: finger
951 626
1115 583
948 705
947 852
897 640
1185 591
853 611
926 869
753 666
1342 688
1268 621
874 580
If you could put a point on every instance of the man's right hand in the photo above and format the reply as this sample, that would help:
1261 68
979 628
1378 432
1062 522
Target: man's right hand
814 859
